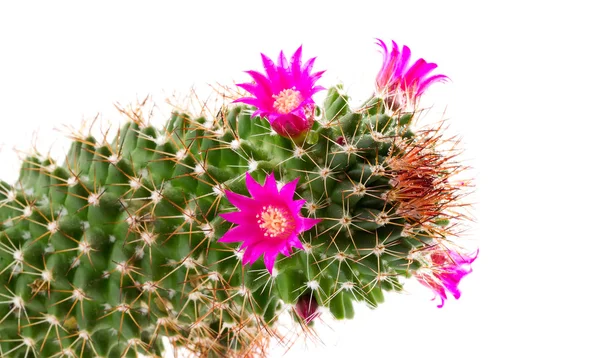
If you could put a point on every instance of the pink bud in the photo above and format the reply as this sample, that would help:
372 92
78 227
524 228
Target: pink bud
307 308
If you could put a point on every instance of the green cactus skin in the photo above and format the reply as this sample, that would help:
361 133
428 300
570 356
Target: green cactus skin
117 247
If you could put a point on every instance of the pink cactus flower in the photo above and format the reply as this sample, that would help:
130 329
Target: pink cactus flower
401 82
443 270
267 223
284 94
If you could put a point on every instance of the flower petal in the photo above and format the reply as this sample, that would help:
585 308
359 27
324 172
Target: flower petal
235 234
239 217
296 205
270 261
251 255
270 186
309 223
286 251
249 100
288 190
428 82
270 68
404 59
253 187
295 242
240 201
296 63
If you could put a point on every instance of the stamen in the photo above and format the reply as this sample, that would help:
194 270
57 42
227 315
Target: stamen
287 100
274 221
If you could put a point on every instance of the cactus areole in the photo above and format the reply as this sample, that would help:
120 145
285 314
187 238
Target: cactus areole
207 229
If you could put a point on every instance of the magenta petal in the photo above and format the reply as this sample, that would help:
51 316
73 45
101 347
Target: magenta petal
308 223
296 205
295 242
262 87
423 71
282 61
318 88
455 291
257 113
271 185
270 261
404 59
296 62
463 260
308 66
253 187
233 235
428 82
443 296
436 288
314 79
286 251
270 68
383 45
251 87
288 190
261 80
239 217
416 74
249 100
250 255
385 72
240 201
442 300
248 87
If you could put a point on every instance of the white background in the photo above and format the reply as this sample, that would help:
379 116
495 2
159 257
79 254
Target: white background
524 97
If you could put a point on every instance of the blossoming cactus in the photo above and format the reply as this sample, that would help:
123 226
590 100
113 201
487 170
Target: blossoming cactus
207 230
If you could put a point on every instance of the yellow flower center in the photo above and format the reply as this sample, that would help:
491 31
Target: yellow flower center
287 100
274 221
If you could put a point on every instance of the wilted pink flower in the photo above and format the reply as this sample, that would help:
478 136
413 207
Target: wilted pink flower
443 270
307 307
400 81
267 223
284 95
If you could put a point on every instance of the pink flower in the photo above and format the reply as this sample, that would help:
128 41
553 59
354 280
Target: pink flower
267 223
397 79
284 95
443 270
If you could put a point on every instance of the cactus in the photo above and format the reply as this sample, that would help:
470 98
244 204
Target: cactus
159 232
